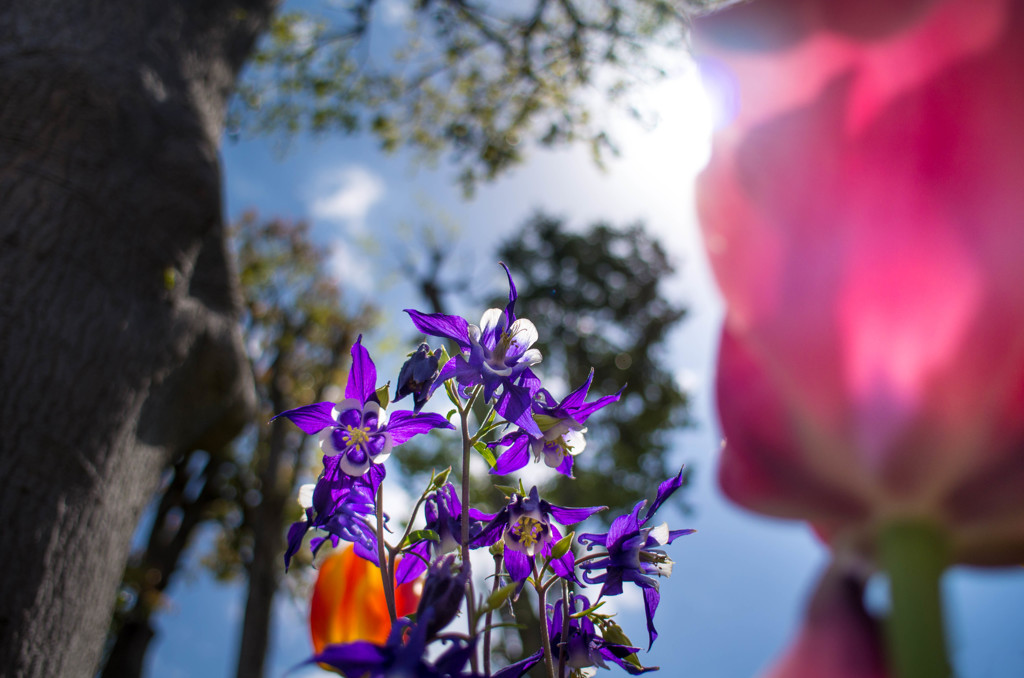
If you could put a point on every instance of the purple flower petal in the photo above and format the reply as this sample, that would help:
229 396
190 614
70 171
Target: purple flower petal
440 325
651 599
510 308
404 424
520 667
413 563
446 373
630 667
295 534
565 468
352 659
515 405
529 381
624 525
365 552
570 516
592 540
477 514
612 582
362 376
514 458
577 397
517 564
675 534
665 491
588 409
492 531
310 418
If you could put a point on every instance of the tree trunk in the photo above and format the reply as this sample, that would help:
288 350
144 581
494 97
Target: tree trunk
267 566
118 342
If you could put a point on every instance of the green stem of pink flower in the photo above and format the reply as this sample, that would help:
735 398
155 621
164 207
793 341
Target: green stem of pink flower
914 555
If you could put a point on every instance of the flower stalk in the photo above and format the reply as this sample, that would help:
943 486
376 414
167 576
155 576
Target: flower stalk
386 572
542 613
914 556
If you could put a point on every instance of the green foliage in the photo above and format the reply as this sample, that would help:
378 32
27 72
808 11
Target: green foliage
473 80
595 297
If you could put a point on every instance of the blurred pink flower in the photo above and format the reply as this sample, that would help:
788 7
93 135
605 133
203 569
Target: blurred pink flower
864 215
863 211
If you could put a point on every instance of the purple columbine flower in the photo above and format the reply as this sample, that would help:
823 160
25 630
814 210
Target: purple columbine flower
632 553
443 513
498 354
418 375
341 505
525 527
561 432
358 428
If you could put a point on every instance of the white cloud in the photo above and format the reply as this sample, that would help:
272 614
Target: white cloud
351 268
395 13
346 196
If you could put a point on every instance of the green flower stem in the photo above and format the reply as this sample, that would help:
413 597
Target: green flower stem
542 598
568 610
487 618
467 448
914 556
387 576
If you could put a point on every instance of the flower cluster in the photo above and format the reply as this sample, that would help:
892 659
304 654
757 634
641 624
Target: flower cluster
491 367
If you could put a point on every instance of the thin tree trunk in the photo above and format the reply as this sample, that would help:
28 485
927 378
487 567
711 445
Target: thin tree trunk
267 567
174 525
277 478
118 341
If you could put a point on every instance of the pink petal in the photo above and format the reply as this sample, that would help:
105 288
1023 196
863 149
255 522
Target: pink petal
839 638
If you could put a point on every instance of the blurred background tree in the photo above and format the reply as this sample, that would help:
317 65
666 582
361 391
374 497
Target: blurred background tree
478 82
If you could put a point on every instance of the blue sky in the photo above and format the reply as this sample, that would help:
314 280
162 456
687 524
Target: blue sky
739 584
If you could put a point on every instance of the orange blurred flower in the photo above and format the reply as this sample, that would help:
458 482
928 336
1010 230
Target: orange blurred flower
348 602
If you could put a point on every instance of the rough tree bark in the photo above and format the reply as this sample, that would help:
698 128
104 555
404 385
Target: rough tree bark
118 342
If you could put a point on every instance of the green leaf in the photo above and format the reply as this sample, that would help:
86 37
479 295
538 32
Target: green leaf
382 395
587 612
562 547
438 481
506 490
614 633
449 388
420 535
486 453
450 414
506 625
498 597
